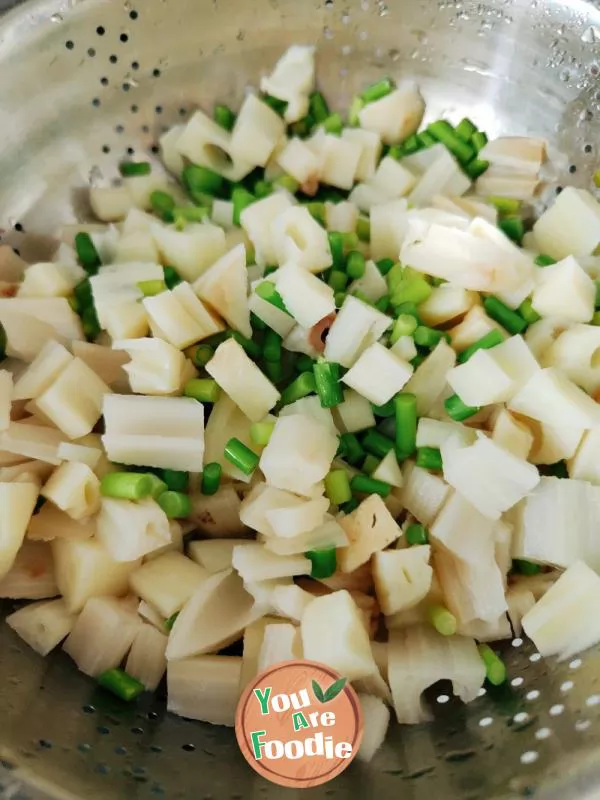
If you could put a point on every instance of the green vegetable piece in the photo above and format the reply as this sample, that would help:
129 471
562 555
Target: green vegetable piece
152 288
241 456
176 480
327 383
126 485
211 478
406 423
204 390
176 505
121 684
163 205
324 562
201 180
355 265
224 117
465 129
378 90
261 432
87 253
130 169
495 670
509 319
442 620
429 458
376 443
363 484
457 410
416 534
304 385
486 342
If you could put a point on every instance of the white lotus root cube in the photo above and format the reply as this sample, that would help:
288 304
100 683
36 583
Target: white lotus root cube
371 146
553 399
242 380
298 160
224 287
191 251
356 326
575 352
299 454
492 479
339 161
180 318
74 401
396 116
480 381
392 179
402 577
378 374
206 143
306 297
571 226
565 290
292 80
257 220
299 238
256 131
370 528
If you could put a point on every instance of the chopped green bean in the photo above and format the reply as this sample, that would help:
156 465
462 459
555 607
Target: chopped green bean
202 355
355 265
261 432
241 199
501 313
121 684
152 288
457 410
337 487
443 132
204 390
324 562
211 478
224 117
201 180
129 169
406 423
377 443
87 253
486 342
363 484
327 382
416 535
363 229
176 480
429 458
378 90
176 505
442 620
351 449
241 456
163 204
126 485
465 129
304 385
525 567
495 669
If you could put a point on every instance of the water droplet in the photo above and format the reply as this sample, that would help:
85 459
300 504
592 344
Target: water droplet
591 35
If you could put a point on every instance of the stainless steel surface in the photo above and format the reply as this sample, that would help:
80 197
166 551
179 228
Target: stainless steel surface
84 81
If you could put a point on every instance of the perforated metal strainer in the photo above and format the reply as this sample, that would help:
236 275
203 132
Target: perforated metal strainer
84 82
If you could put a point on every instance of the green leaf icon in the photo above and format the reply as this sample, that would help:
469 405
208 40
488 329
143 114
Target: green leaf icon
335 688
318 692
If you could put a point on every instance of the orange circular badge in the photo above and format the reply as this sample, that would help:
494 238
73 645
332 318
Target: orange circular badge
299 724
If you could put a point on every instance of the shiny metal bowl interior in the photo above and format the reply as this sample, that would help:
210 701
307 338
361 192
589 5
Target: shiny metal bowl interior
84 82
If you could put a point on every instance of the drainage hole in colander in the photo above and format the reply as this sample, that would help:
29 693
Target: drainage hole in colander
556 710
532 695
70 45
124 38
113 59
100 30
88 709
189 748
102 769
135 65
137 731
103 730
45 744
104 81
582 725
543 733
91 52
120 750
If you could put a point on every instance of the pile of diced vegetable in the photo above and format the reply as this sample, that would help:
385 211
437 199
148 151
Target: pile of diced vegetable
321 385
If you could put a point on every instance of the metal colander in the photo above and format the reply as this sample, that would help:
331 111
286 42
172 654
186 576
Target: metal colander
85 82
